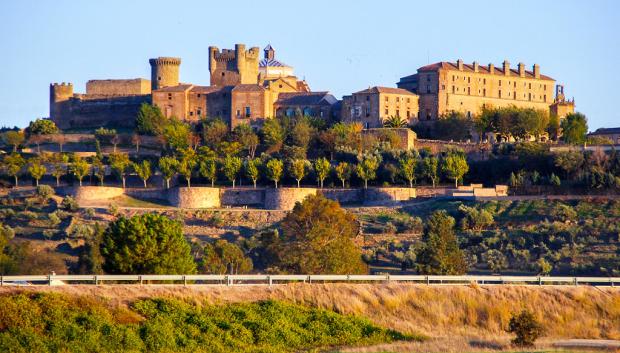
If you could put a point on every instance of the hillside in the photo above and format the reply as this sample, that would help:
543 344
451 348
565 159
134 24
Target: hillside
454 318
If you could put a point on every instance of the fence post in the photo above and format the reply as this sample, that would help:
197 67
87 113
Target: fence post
184 281
228 280
428 281
575 281
539 281
387 278
96 280
49 280
140 278
270 280
2 281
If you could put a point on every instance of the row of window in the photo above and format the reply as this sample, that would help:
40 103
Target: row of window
514 94
484 82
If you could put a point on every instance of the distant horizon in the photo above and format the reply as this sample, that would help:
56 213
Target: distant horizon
343 49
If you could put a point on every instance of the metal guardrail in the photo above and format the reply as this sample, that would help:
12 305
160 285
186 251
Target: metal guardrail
230 280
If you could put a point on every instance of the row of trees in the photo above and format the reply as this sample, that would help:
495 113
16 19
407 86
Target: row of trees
204 163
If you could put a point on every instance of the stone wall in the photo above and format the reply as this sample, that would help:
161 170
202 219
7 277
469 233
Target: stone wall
242 197
196 197
85 194
285 198
119 87
406 137
378 195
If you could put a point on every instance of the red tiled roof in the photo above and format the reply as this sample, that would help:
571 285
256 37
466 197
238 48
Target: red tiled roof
390 90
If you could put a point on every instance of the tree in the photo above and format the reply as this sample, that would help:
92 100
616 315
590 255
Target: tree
37 170
553 128
208 169
13 138
80 168
146 244
318 238
177 134
301 133
574 128
526 327
42 127
273 135
98 169
430 166
251 169
367 169
245 135
395 121
90 260
570 162
322 168
14 164
454 126
231 168
214 132
343 172
59 166
274 170
150 120
187 164
454 166
168 167
440 254
223 257
328 139
298 169
495 260
119 162
143 170
408 167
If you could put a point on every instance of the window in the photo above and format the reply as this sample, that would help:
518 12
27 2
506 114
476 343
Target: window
545 86
530 96
545 97
443 87
468 91
247 112
408 114
408 100
355 98
428 89
367 98
386 112
452 78
387 99
453 89
514 95
238 113
469 80
222 74
484 81
191 113
530 86
397 113
515 84
367 111
428 114
169 96
428 78
307 111
500 92
199 112
484 92
158 78
198 95
397 99
500 83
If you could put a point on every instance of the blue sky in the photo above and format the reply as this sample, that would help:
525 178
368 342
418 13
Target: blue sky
340 46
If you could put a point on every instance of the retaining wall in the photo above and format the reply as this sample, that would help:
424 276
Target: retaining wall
88 193
285 198
242 197
196 197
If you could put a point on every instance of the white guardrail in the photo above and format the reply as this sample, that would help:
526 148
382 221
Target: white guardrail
230 280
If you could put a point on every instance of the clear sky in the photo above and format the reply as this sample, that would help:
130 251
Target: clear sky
340 46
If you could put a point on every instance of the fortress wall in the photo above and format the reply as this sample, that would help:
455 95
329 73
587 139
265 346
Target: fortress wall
148 194
196 197
285 198
388 194
88 193
135 86
242 197
87 111
344 196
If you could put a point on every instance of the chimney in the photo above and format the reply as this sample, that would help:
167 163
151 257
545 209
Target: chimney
536 70
475 66
521 69
506 66
459 63
491 69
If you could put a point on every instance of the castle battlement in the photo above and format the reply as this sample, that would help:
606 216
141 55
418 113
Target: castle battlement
233 66
165 60
63 84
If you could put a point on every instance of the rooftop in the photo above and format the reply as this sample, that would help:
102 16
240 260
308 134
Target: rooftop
498 69
306 98
606 131
271 63
389 90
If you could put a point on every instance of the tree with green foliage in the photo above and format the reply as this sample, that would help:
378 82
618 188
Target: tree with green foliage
574 128
317 237
273 135
98 169
275 167
408 167
526 327
322 167
146 244
430 169
119 162
553 127
80 168
59 166
13 164
168 167
231 168
150 120
496 260
214 132
187 164
144 171
301 133
570 162
223 257
177 134
13 138
42 127
395 121
454 166
453 126
367 169
208 169
298 169
245 135
440 254
90 260
343 172
252 169
36 169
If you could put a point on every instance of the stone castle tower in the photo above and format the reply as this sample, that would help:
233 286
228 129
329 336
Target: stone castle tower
164 72
60 93
233 67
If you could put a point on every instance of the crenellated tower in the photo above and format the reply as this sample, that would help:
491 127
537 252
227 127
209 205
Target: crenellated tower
60 93
164 72
231 67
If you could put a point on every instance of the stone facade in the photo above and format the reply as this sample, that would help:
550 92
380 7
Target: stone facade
136 86
373 106
196 197
465 88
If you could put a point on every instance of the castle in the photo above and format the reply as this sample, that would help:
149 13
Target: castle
246 89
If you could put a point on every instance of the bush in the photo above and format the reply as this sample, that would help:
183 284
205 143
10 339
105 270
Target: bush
45 192
53 219
69 204
525 327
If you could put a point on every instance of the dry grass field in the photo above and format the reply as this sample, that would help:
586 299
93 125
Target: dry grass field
454 318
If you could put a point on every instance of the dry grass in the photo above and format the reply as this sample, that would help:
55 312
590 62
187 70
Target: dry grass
458 313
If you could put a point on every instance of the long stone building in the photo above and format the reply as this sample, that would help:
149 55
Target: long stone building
245 89
446 86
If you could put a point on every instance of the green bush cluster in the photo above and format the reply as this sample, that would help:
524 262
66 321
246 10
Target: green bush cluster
53 323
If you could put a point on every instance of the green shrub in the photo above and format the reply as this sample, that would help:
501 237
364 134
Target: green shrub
69 204
526 327
45 192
